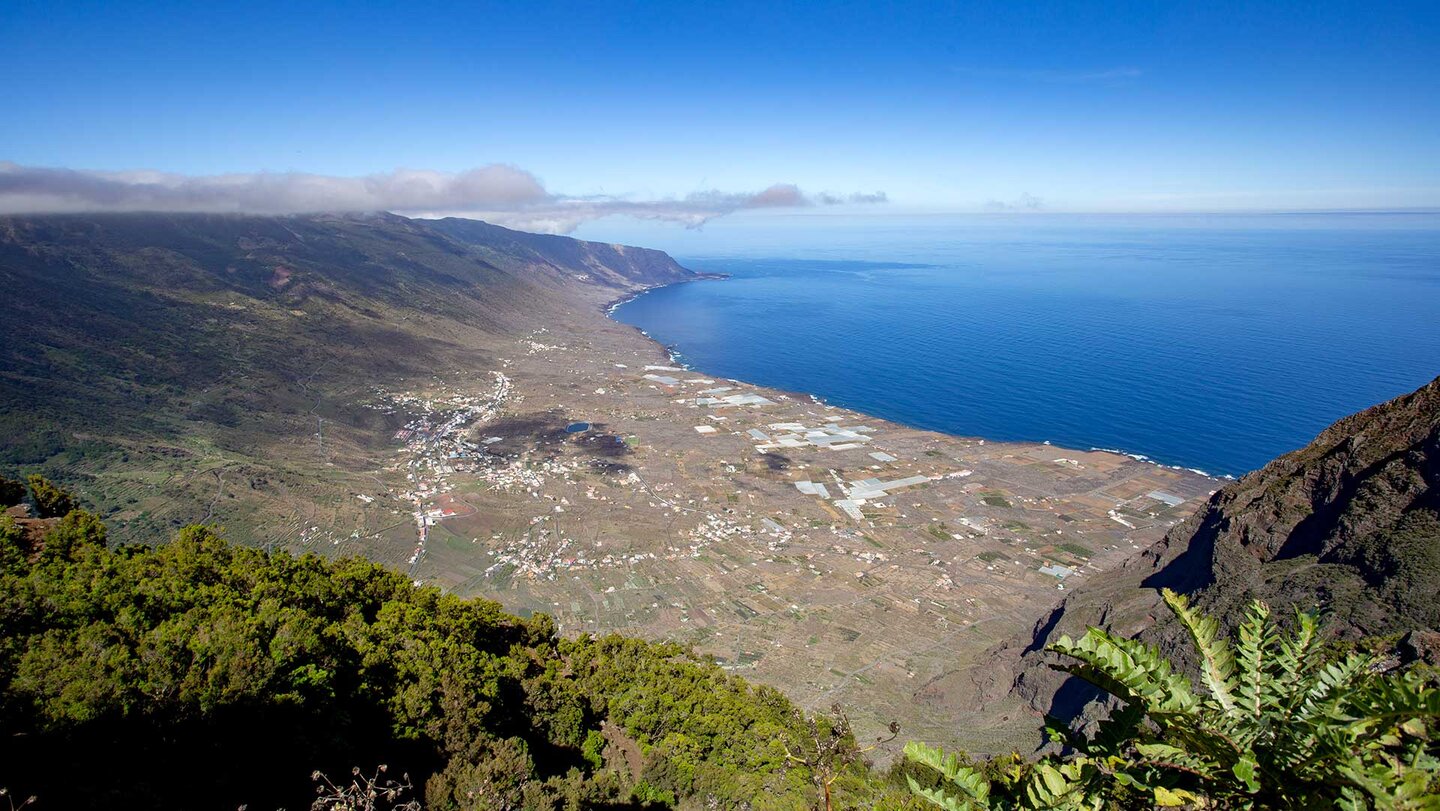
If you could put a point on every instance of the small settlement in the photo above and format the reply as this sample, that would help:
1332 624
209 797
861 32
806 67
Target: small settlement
614 493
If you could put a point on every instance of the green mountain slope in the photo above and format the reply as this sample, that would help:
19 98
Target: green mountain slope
168 347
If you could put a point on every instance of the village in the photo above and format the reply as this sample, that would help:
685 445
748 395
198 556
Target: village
791 540
582 471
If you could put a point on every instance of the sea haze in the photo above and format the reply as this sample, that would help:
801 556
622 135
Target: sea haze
1214 343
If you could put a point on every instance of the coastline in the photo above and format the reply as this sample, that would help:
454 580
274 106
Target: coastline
609 308
832 554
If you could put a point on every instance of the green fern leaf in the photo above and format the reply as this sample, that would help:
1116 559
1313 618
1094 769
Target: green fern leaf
1295 658
1217 661
1323 691
943 800
970 781
1245 769
1173 798
1123 727
1257 637
1129 670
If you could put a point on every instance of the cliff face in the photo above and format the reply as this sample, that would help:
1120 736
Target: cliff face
1348 525
602 263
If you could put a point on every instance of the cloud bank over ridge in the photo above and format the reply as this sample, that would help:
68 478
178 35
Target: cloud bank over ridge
498 193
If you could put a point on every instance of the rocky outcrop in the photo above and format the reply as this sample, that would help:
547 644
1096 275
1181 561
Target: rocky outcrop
1348 525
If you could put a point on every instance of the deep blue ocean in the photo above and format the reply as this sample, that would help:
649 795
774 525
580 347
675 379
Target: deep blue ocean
1214 343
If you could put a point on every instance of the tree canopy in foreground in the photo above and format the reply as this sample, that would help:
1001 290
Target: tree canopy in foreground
203 674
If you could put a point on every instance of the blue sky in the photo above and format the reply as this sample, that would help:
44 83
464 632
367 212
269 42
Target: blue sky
943 107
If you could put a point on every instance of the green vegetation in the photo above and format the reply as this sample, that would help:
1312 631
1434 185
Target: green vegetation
11 542
1278 726
996 500
202 669
72 534
1079 550
50 501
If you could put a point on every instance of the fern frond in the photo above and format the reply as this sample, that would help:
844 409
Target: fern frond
1053 785
939 797
1330 683
1402 700
1253 683
1404 694
1058 731
1217 662
1295 658
1123 726
1394 785
973 785
1173 758
1174 798
1129 670
1277 727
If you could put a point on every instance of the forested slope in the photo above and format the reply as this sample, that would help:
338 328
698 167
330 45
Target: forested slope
207 675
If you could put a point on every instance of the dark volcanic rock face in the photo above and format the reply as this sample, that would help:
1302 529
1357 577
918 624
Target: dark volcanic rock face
1348 525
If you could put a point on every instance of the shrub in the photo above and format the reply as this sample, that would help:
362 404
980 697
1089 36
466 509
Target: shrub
78 528
50 501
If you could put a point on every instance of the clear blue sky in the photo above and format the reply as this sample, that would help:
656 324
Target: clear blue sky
1082 106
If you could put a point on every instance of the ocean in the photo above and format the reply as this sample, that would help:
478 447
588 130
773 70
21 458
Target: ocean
1215 343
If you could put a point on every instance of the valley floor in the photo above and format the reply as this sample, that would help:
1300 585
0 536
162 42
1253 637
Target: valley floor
835 556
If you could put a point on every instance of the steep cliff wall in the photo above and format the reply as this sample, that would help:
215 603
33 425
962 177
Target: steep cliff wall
1348 525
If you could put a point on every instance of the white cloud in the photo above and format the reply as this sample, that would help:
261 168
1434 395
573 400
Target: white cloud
500 193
